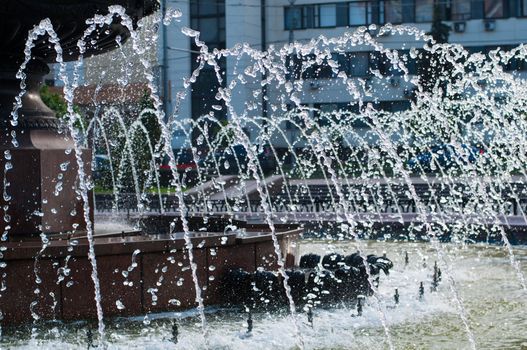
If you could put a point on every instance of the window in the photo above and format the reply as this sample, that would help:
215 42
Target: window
209 18
460 10
359 13
293 17
393 11
342 14
409 62
209 29
343 62
515 64
323 112
315 71
327 15
315 16
359 64
208 8
424 10
395 106
385 66
476 9
400 106
308 16
494 9
408 10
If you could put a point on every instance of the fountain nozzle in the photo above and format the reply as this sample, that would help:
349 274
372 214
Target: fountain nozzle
310 316
359 306
435 278
250 322
89 338
175 332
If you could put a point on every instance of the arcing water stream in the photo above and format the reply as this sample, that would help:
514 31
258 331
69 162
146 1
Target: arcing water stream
461 139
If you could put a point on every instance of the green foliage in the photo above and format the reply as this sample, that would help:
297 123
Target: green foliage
54 101
143 145
133 146
57 104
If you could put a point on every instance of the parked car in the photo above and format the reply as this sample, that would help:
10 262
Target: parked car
185 166
446 156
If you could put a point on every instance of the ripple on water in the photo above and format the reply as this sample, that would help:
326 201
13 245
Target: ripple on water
496 306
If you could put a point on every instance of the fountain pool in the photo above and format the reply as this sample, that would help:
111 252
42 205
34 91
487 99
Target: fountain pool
484 279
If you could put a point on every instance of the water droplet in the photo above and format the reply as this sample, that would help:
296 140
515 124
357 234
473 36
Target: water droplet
119 304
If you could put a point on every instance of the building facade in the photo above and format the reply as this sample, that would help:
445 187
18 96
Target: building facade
478 25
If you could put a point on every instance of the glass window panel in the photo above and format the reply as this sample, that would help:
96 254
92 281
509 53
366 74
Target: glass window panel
343 62
207 8
409 62
220 7
194 8
293 17
209 29
390 69
308 16
294 65
461 10
328 15
424 10
494 8
357 13
358 63
316 71
408 11
393 11
475 49
342 14
308 67
476 9
400 106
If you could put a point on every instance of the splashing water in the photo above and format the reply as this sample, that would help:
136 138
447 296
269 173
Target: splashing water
450 167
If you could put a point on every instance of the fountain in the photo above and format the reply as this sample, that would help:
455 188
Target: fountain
205 252
49 245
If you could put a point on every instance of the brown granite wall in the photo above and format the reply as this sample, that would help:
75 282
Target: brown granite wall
161 280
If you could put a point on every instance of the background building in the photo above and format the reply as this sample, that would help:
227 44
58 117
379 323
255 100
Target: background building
479 25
